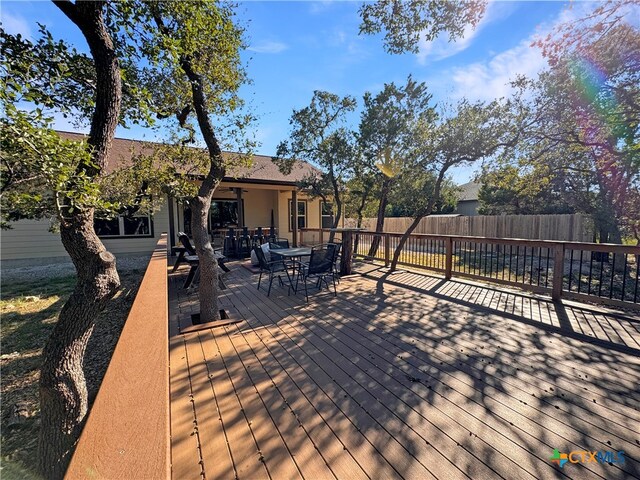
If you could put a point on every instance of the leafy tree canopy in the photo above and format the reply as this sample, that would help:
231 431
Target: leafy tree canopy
407 23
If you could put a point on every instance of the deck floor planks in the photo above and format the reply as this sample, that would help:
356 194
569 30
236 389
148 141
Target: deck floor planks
629 411
213 438
329 342
242 444
302 366
494 408
309 459
378 390
185 454
329 445
544 304
524 367
505 342
274 452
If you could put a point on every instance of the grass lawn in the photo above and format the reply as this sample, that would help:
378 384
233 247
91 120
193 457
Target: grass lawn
29 311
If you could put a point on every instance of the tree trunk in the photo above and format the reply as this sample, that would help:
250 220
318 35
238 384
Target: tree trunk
434 198
63 390
208 288
403 240
382 207
336 220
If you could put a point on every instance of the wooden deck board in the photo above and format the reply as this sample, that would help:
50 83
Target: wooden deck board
516 409
405 376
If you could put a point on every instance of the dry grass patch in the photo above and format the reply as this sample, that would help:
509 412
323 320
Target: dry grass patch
29 311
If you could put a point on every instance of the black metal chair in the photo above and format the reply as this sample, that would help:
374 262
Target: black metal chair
320 267
275 268
278 243
192 258
243 243
336 255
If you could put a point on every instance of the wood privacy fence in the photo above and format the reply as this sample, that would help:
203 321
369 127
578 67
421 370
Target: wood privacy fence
597 272
569 228
127 433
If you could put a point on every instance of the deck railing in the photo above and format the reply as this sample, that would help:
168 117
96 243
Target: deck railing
603 273
127 432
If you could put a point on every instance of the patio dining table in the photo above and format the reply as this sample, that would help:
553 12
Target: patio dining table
291 254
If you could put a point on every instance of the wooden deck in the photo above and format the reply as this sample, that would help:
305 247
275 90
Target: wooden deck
401 376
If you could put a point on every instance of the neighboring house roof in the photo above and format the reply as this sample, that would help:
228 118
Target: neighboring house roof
469 191
262 170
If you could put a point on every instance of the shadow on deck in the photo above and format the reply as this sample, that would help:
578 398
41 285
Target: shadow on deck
401 376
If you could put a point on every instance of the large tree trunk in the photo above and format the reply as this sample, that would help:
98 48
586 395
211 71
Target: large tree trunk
434 198
405 236
382 207
208 288
63 390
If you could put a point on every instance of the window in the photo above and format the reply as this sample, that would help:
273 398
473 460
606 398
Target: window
302 214
326 214
124 226
222 214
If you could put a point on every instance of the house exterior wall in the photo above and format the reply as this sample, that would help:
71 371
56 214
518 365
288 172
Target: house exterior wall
314 213
30 242
468 207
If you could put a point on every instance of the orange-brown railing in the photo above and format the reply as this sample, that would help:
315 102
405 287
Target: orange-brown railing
127 433
604 273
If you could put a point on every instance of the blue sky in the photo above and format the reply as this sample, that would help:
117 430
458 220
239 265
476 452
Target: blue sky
298 47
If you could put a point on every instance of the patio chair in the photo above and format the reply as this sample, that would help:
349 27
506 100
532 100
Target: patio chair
192 258
320 267
335 247
275 268
276 243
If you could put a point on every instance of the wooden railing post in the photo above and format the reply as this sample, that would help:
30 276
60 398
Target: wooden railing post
558 271
448 263
387 249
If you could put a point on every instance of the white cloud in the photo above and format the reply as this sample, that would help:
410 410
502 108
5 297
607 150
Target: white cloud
443 47
268 47
320 7
489 80
14 24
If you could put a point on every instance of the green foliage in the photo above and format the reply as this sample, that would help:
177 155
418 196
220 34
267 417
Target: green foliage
204 34
39 170
47 73
467 133
407 23
579 143
389 122
320 137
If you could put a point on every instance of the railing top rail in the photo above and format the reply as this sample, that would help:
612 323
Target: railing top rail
127 432
602 247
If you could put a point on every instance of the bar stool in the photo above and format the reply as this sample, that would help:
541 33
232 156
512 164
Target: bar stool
229 248
258 237
244 243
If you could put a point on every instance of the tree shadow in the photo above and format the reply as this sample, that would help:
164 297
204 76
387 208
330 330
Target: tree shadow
394 378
